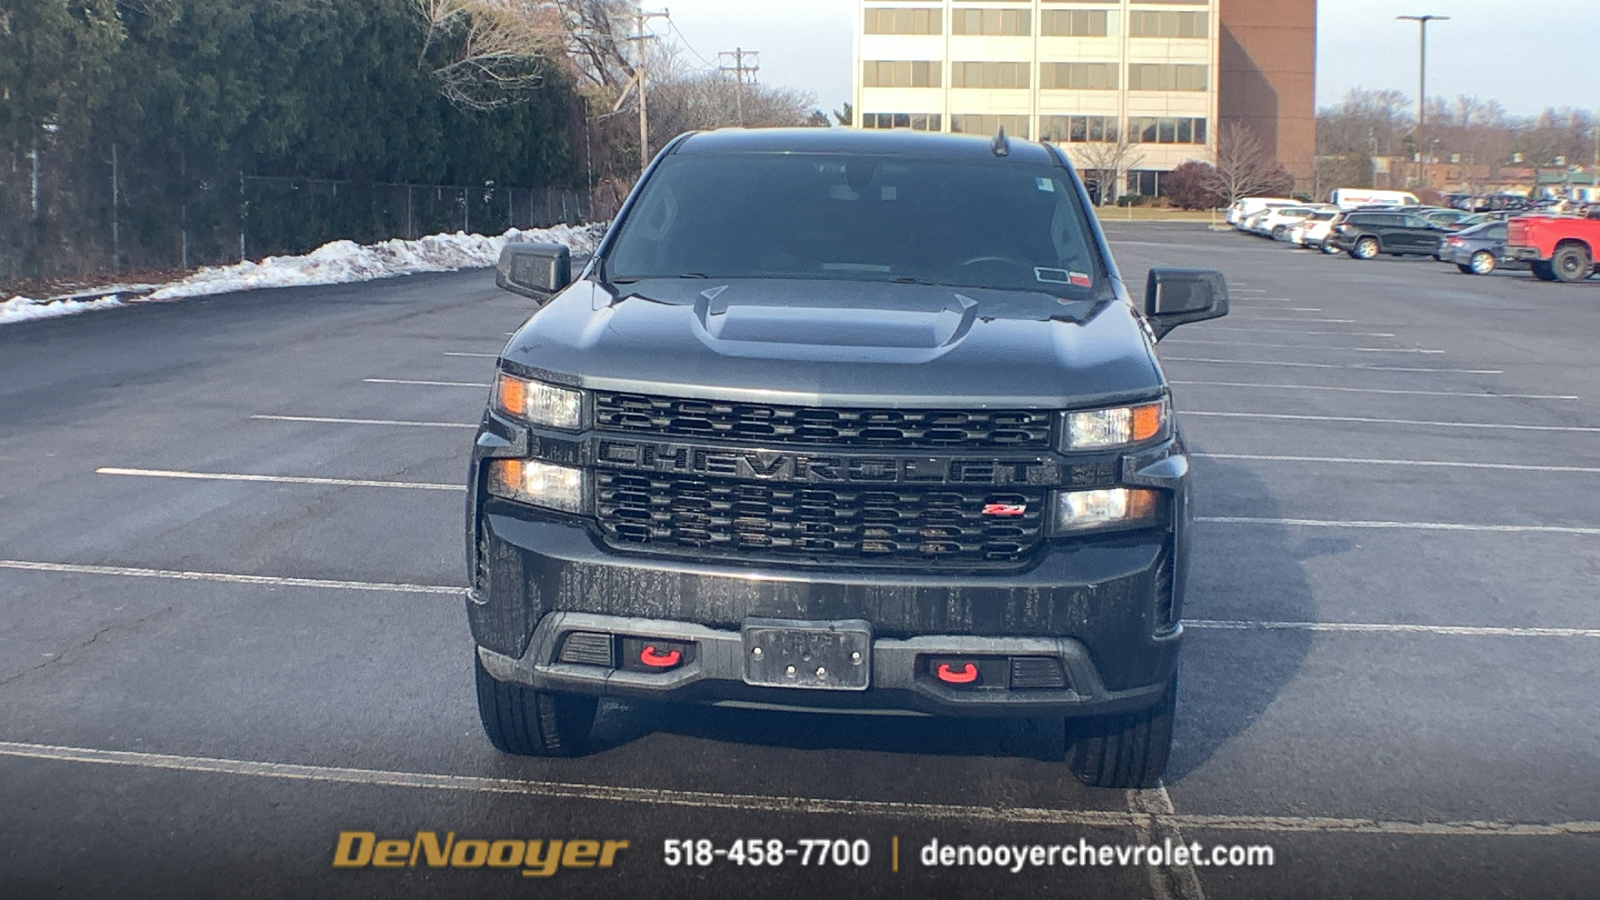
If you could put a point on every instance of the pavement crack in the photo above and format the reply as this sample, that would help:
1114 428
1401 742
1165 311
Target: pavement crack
59 655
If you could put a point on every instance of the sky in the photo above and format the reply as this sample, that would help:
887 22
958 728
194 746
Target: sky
1507 50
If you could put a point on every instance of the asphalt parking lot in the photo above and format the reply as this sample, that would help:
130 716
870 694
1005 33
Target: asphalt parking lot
231 624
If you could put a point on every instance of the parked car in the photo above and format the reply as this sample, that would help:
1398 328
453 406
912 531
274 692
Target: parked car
1449 218
1558 248
1312 231
1478 250
1366 235
1269 223
1246 207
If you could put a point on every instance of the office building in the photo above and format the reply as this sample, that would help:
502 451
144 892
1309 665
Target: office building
1136 86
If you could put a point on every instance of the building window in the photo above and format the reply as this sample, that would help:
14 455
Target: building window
1146 182
913 121
1149 24
1074 23
1078 129
992 22
905 21
989 75
1167 77
1166 130
1078 76
1015 126
900 74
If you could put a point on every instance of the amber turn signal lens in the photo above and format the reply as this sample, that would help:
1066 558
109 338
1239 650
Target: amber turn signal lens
1147 421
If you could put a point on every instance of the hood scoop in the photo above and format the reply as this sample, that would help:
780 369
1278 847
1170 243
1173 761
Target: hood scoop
831 315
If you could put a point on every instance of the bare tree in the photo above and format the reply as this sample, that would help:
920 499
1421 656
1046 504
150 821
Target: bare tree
1109 161
487 53
685 99
1246 167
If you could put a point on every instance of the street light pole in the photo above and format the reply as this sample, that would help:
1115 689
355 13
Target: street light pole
1422 81
1422 85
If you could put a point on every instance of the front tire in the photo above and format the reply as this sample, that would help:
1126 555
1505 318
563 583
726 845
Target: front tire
1366 248
1328 248
524 722
1542 270
1482 263
1571 264
1124 751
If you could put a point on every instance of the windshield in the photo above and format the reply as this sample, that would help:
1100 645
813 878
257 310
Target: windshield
984 224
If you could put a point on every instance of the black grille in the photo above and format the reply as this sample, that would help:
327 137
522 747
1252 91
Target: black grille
835 524
898 428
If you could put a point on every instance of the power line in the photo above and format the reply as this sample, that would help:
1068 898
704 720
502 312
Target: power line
698 55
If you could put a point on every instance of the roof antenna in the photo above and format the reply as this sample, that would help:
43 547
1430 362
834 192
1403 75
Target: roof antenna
1001 145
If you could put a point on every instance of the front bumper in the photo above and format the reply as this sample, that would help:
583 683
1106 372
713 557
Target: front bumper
902 678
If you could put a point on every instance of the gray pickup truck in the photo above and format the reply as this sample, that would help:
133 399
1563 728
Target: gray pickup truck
838 419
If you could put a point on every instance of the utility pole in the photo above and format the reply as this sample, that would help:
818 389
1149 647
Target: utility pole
641 83
738 69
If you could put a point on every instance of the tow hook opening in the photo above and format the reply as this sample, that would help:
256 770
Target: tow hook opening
995 673
638 654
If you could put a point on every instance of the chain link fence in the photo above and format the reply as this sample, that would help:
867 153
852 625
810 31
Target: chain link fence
71 216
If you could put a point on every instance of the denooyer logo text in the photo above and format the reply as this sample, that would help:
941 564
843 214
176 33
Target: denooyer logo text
536 859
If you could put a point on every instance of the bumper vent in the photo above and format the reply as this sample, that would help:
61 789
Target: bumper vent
897 428
1037 673
587 648
795 522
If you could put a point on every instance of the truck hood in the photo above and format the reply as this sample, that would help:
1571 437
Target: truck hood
835 343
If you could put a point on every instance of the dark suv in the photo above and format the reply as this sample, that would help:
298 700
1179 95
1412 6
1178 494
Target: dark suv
1367 234
838 420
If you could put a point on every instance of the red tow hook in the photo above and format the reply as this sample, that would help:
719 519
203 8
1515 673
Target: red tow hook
967 675
655 660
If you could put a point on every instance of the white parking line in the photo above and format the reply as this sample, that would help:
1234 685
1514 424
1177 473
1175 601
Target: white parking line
782 804
1251 345
1351 390
278 479
459 384
1420 463
1576 429
1209 327
1234 316
174 575
330 420
1403 526
476 355
1306 365
1385 628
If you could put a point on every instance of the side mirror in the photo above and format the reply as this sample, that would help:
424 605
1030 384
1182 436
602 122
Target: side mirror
538 271
1174 297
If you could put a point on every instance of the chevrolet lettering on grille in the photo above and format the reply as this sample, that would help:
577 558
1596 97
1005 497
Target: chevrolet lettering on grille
763 465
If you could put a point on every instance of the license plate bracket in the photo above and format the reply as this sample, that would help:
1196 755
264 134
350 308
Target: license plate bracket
826 656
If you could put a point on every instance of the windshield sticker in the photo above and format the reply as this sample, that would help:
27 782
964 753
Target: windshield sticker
1080 279
1053 276
1046 185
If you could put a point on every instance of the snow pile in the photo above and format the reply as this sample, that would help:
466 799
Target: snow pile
339 262
342 262
18 309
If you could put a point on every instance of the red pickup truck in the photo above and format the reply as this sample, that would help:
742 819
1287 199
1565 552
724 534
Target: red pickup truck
1559 248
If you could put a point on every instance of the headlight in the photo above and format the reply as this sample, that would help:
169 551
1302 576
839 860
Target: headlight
539 484
1102 428
1109 509
539 403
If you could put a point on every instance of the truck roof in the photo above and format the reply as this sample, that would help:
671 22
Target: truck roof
927 145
